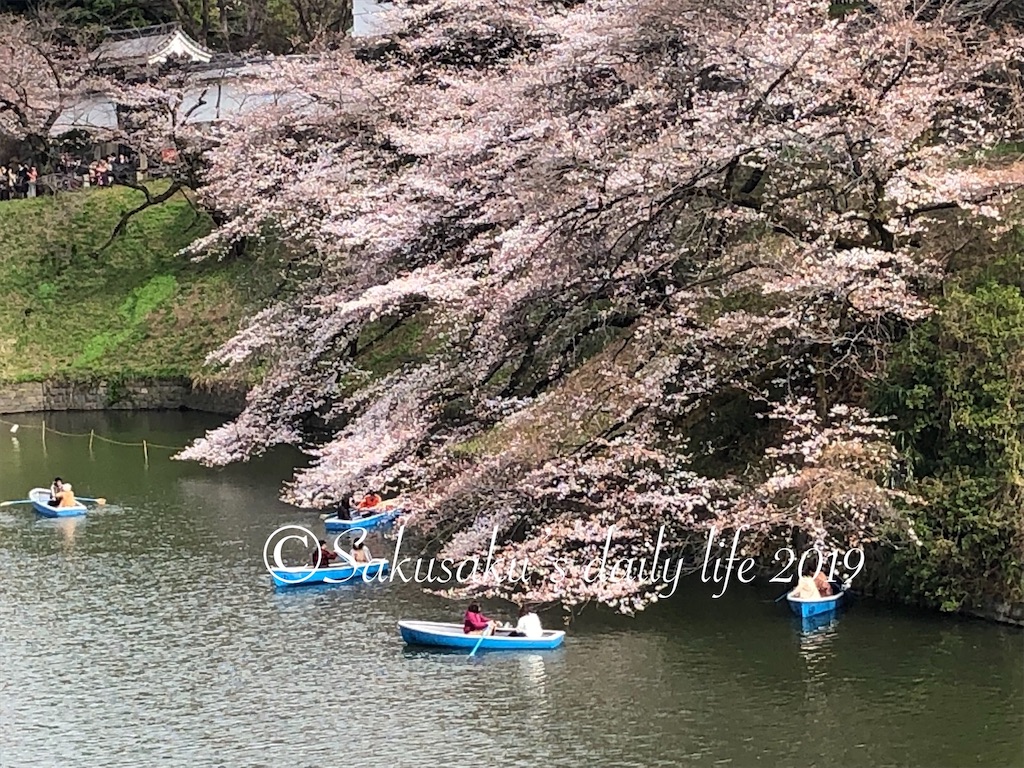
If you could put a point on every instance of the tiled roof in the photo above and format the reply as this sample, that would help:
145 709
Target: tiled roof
141 43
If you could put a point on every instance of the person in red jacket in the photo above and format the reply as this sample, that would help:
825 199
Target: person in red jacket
369 501
475 622
322 557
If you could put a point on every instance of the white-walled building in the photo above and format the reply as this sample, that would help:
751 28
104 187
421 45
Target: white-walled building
218 91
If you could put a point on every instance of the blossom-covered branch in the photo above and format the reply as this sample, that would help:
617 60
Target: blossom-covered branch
662 246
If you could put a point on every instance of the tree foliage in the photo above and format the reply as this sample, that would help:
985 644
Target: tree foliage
51 76
621 216
956 387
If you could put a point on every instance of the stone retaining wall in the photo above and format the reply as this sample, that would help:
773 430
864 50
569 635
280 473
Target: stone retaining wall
1004 613
993 609
138 394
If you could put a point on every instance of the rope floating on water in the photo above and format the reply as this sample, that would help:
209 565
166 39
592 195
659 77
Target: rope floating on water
91 434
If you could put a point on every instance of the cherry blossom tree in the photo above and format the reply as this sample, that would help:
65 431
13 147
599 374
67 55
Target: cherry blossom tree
44 71
53 82
615 219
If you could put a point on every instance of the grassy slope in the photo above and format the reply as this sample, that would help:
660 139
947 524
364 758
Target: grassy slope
136 309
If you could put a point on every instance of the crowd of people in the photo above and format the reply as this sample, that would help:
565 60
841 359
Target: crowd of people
17 181
102 172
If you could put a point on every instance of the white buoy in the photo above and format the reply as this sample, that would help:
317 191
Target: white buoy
14 429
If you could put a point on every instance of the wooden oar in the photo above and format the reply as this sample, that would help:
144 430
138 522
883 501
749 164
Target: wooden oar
18 501
482 636
99 502
784 594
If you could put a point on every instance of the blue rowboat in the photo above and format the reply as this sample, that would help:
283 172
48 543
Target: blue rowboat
40 502
442 635
332 574
336 523
814 607
822 621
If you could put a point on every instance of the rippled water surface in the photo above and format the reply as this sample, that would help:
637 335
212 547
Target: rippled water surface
148 633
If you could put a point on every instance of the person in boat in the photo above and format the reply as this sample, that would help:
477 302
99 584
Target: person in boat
323 557
813 585
529 624
55 490
474 623
361 553
66 497
806 589
369 501
822 585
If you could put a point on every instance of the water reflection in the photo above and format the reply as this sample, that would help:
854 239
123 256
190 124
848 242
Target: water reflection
818 636
209 664
69 528
531 669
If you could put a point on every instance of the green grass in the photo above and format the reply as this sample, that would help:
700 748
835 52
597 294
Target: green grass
839 10
135 308
1007 150
1001 154
385 346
